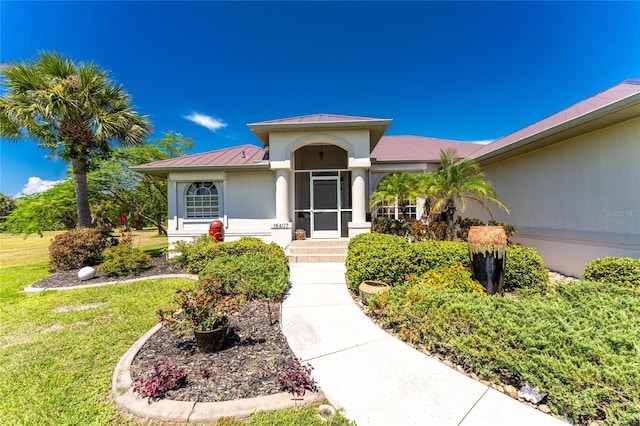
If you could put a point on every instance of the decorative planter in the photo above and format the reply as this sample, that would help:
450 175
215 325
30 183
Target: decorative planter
369 288
301 234
211 340
487 249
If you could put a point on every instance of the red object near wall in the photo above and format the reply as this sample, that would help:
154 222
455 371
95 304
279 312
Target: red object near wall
216 230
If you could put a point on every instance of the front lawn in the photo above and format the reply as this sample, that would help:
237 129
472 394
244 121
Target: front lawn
58 349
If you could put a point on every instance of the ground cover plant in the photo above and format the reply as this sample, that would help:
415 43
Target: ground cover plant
578 343
59 349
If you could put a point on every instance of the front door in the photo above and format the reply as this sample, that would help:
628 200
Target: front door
325 207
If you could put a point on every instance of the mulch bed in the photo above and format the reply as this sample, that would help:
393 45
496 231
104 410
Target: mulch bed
159 266
247 365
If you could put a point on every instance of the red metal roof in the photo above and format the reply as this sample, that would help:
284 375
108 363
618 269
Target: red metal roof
407 148
317 118
234 156
602 99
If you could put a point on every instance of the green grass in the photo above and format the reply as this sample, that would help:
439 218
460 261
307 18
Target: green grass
580 344
56 363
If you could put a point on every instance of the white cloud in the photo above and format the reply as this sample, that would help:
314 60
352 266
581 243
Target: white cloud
210 123
485 142
35 185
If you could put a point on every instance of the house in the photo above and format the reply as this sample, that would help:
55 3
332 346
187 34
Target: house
571 181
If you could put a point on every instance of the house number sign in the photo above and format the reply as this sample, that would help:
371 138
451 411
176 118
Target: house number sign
281 226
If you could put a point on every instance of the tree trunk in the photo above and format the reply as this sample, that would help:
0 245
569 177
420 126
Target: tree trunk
82 192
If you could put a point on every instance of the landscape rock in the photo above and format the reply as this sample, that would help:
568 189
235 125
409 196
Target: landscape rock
544 408
86 273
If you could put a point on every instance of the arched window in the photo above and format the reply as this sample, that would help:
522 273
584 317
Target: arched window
202 200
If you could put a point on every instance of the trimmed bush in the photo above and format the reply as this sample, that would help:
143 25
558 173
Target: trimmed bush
524 268
614 270
454 278
254 275
427 255
124 259
392 259
194 256
377 257
77 248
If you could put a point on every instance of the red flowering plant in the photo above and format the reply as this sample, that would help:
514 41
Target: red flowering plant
202 307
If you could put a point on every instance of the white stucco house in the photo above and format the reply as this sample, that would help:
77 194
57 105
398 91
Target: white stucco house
571 181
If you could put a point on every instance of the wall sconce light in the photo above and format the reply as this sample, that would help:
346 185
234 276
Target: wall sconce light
321 153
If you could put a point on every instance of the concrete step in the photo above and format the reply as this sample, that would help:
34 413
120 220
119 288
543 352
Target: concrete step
316 258
314 251
318 250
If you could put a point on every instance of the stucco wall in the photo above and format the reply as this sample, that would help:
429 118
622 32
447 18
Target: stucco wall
575 200
247 204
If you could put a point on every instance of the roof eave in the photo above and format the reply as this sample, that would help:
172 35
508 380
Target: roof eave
262 130
164 171
613 113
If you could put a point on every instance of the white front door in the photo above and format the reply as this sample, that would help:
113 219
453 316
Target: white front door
325 207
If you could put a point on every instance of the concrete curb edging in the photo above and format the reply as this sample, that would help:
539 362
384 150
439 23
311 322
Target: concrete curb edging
31 289
191 412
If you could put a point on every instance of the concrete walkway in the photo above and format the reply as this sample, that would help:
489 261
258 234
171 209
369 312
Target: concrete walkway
376 378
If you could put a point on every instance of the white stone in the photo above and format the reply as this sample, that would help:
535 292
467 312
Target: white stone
86 273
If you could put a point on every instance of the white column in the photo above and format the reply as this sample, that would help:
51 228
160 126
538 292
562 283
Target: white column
358 195
282 195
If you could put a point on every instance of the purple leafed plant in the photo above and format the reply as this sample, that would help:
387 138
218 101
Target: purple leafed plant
296 379
165 377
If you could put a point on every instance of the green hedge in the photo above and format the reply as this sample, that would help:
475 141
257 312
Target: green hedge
254 275
393 260
614 270
377 257
195 255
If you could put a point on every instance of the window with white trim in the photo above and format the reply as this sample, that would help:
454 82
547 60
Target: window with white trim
202 200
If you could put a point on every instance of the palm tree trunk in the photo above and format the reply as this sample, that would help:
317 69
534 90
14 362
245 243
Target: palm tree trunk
82 192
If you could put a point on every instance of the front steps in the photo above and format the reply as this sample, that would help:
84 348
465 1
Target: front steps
314 251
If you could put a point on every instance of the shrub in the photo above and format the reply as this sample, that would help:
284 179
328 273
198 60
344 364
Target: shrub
377 257
579 345
77 248
392 259
524 268
254 275
614 270
454 278
296 379
429 255
165 377
123 259
195 255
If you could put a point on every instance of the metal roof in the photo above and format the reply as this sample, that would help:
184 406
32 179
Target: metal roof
242 156
568 117
418 148
376 126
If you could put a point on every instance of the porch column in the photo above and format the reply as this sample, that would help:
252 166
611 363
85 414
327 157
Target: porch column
282 195
358 195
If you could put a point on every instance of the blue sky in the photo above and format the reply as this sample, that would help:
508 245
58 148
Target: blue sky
465 71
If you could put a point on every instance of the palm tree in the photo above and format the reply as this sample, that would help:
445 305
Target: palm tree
400 188
75 111
453 183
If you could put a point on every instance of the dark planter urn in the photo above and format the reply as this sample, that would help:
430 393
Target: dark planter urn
211 340
488 252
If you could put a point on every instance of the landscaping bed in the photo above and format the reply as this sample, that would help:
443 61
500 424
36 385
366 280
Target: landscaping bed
247 365
159 266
